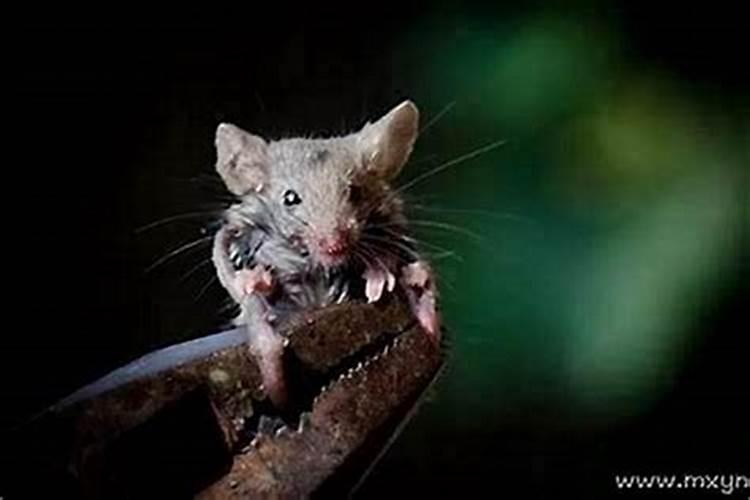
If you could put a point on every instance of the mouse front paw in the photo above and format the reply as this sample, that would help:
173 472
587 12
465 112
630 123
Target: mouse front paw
418 281
267 347
257 279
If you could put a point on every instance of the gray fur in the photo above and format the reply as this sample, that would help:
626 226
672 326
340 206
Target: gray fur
321 172
315 214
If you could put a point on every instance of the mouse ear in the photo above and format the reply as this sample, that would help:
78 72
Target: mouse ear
240 159
387 143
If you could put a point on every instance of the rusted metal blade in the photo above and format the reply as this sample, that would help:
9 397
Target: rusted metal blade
192 420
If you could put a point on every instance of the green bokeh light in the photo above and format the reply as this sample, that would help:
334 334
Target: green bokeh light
603 225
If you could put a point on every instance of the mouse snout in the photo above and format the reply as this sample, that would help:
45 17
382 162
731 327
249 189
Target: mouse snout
336 244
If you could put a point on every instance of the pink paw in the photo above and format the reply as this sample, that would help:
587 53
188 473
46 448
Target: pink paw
416 274
427 315
267 347
419 284
255 280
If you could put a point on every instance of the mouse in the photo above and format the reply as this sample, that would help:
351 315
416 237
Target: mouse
317 221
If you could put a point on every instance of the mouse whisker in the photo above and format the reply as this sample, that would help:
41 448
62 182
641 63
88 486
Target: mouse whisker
447 227
448 254
177 251
400 235
450 163
390 242
358 253
442 250
376 249
368 253
437 225
194 269
172 218
471 211
389 197
205 288
420 242
228 305
437 117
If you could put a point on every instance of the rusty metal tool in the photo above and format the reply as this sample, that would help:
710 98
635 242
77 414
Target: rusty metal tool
191 420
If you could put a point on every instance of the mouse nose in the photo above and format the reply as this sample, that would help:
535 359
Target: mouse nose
337 244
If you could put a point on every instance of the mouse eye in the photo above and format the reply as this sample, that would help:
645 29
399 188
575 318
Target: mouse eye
355 193
291 198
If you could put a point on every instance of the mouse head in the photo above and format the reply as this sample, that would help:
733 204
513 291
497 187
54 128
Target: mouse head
320 193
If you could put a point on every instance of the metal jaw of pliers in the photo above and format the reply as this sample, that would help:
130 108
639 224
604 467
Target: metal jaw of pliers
192 420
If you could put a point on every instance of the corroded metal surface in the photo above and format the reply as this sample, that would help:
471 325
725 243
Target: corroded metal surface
192 419
295 462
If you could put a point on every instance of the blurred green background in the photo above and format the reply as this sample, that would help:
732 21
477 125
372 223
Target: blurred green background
589 245
593 267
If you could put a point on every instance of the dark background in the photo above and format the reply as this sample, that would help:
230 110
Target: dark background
111 119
